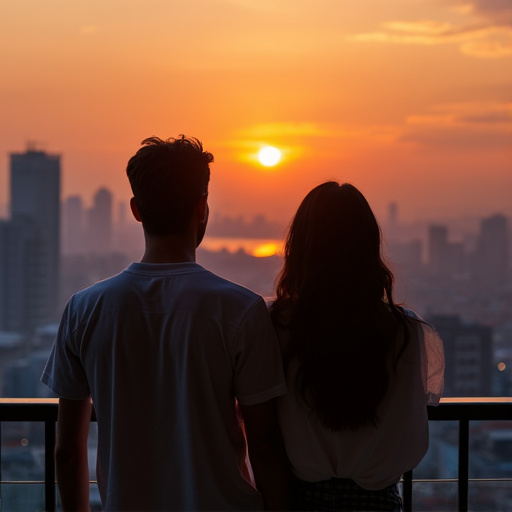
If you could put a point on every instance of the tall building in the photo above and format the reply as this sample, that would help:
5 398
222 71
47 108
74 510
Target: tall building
100 222
73 226
30 243
437 247
491 258
445 258
468 356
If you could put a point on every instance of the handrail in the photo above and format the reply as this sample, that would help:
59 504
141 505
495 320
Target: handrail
462 410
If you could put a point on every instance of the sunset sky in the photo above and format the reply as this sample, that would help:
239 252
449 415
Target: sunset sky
410 100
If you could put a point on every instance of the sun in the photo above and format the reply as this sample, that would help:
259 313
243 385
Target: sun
269 156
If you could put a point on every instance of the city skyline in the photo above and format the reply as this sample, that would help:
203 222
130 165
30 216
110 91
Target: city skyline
121 211
449 281
409 100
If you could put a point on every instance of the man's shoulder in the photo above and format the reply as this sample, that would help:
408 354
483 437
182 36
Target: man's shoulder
226 288
99 288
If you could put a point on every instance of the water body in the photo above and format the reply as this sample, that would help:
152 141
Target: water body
258 247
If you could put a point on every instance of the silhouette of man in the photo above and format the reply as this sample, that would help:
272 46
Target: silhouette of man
178 363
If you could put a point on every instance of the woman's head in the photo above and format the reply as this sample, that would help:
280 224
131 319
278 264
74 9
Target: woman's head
334 297
334 241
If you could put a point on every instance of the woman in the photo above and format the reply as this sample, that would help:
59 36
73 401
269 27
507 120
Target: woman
360 369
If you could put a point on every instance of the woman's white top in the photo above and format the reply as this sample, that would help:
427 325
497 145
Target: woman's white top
373 456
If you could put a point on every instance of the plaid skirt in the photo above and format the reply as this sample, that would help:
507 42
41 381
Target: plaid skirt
344 495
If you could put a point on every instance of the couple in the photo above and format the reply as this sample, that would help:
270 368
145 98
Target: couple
187 375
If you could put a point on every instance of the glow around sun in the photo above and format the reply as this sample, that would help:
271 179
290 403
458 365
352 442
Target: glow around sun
269 156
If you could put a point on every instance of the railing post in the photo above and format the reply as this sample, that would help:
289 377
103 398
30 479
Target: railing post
1 479
463 488
407 491
49 465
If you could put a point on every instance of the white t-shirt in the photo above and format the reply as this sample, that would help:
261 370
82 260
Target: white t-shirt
164 350
374 457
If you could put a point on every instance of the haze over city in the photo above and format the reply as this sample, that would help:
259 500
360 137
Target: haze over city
410 100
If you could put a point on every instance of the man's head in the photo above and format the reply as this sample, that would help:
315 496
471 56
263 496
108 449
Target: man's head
168 179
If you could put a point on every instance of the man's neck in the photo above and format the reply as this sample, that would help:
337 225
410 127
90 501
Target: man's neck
169 249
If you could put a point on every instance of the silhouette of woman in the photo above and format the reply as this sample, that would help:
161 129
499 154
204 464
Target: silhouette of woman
360 369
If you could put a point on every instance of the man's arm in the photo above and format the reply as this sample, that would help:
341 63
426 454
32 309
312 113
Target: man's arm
72 466
267 454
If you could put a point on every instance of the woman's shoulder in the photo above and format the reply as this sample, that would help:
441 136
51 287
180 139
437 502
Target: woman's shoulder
431 354
418 322
421 324
411 314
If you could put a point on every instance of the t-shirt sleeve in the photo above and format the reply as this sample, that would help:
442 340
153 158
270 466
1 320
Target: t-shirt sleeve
259 374
64 373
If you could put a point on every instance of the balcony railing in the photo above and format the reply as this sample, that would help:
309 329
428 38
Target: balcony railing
462 410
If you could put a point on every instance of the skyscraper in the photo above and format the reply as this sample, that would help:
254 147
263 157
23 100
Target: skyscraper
468 355
437 246
446 259
100 222
491 262
30 242
73 230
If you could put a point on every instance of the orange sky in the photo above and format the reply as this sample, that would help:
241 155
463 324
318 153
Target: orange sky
410 100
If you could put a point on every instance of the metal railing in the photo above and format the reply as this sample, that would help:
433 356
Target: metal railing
40 410
462 410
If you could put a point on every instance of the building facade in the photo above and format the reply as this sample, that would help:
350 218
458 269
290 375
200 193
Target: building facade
491 263
100 223
468 350
30 243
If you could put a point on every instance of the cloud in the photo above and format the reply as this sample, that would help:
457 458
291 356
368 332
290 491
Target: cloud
291 138
272 130
486 49
498 12
319 141
426 32
461 125
425 27
464 113
486 36
308 130
497 117
453 137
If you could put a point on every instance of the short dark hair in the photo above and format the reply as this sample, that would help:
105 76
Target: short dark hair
168 178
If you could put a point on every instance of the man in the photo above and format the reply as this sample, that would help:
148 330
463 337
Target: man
170 354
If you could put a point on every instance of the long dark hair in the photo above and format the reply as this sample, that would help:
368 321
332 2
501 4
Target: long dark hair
334 296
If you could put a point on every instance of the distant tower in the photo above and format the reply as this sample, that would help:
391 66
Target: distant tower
437 246
73 226
468 355
446 259
30 243
100 222
491 262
